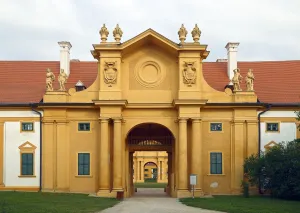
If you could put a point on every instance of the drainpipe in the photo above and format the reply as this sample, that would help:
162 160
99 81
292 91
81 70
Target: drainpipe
259 140
41 137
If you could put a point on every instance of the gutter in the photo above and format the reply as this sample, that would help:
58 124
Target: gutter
259 139
41 138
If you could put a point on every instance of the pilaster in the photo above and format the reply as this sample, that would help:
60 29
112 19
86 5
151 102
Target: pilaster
196 154
237 153
104 160
1 153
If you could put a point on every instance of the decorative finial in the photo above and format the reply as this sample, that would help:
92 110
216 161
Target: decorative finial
103 33
196 33
182 34
117 33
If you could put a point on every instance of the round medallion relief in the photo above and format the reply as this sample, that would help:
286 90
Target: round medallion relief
149 74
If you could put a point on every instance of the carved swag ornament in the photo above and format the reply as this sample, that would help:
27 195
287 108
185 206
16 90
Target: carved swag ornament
110 73
189 73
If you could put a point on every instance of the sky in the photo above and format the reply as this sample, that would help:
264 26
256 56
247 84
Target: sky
267 30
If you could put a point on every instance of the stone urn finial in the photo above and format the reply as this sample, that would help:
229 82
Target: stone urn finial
117 33
182 34
196 33
103 33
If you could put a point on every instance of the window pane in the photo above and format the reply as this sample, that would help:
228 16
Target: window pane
213 157
216 127
27 126
219 168
84 126
27 164
219 157
213 169
215 163
83 164
272 126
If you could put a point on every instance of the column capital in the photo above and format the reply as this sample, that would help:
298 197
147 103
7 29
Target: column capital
103 120
182 120
117 119
196 120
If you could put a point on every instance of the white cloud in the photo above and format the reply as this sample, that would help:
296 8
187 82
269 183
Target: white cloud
267 30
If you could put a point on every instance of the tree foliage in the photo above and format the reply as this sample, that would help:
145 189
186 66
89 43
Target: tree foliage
277 170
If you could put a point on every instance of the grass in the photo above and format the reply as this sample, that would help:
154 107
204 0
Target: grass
32 202
150 185
239 204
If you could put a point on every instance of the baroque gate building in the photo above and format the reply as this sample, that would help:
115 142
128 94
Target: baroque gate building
148 94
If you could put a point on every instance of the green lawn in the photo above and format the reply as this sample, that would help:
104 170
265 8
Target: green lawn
239 204
32 202
150 185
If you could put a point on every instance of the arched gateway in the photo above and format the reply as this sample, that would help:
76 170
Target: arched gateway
149 94
151 137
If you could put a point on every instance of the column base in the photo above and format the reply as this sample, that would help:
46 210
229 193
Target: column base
197 193
183 193
106 193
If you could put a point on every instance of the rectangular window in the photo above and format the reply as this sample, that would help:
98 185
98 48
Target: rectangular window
27 164
216 163
27 126
215 127
272 127
83 126
146 170
83 163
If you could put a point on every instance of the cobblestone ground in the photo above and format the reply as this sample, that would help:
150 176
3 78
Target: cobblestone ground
153 200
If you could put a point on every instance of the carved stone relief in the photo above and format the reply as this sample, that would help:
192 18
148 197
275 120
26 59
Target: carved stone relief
110 73
189 73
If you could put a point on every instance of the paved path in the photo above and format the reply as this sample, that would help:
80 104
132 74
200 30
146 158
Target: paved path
153 200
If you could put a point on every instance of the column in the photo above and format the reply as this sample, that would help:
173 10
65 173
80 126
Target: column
104 160
182 155
1 152
136 170
117 167
196 152
161 169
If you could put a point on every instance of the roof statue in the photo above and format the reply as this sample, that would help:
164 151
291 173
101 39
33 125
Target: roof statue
249 80
50 77
62 79
236 80
196 33
103 33
117 33
182 34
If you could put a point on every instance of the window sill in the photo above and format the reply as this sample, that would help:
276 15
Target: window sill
27 176
215 174
83 176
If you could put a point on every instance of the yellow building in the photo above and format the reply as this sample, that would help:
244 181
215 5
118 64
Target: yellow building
145 94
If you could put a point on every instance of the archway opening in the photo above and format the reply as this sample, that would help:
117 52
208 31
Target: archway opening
151 156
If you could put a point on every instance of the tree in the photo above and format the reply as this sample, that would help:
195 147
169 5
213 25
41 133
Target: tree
277 170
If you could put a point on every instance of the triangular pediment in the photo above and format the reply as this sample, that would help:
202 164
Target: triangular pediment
150 34
27 145
270 144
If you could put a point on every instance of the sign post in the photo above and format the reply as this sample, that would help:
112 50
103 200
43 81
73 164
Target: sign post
193 182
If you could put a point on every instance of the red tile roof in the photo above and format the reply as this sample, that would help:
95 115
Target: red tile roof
24 81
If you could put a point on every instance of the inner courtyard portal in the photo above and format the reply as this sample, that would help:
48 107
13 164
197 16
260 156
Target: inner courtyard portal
151 150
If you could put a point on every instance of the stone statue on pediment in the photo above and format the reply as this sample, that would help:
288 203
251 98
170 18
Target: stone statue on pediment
117 33
250 80
236 80
50 78
62 79
182 33
103 33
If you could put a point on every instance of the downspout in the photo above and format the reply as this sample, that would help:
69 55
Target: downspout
259 139
41 137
